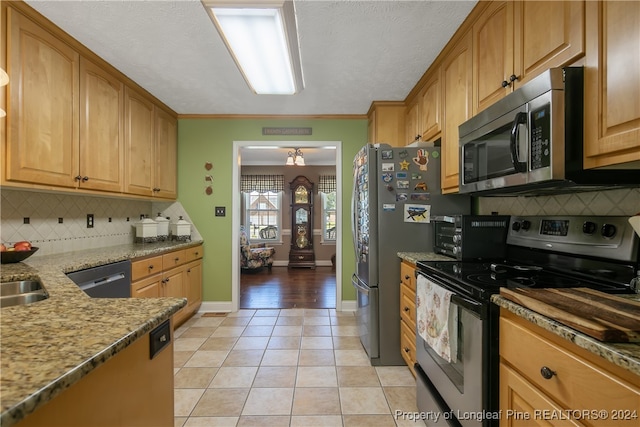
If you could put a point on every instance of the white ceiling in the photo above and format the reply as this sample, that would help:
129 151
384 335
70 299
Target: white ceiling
353 52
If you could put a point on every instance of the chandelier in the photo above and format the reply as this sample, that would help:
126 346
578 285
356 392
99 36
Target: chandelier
295 158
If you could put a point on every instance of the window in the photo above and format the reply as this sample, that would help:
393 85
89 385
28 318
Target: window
329 215
262 210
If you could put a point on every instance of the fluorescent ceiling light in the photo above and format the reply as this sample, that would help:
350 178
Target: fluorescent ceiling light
262 39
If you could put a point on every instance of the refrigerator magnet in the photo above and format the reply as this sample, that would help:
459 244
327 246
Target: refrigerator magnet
417 213
404 165
422 159
415 175
401 175
402 184
401 197
418 197
387 154
387 177
403 154
421 186
388 167
388 207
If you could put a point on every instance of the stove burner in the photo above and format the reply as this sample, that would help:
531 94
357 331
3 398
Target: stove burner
504 269
543 281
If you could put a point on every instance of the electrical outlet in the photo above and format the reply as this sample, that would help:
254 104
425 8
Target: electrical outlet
221 211
89 220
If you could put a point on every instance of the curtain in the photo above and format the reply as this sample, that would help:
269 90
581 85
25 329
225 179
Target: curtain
326 184
262 183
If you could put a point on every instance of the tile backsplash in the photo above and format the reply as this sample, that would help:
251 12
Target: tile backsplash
611 202
58 222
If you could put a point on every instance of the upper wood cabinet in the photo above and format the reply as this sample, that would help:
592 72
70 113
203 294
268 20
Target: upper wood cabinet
70 122
387 123
101 129
139 141
514 41
43 117
424 112
457 100
612 84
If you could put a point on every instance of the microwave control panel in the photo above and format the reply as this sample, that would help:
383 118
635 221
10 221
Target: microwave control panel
540 136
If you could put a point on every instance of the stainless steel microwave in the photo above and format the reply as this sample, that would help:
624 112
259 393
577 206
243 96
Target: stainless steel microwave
531 142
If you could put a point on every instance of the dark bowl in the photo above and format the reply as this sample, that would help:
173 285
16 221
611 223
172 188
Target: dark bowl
9 257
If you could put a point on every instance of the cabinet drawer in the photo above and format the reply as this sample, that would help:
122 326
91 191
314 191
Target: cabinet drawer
194 253
408 345
576 383
173 259
408 275
408 306
302 257
146 267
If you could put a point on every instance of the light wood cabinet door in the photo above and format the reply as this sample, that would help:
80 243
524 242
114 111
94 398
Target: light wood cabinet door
547 34
457 105
193 285
173 286
492 54
150 287
430 108
612 84
387 123
101 129
522 404
139 144
412 121
43 117
166 150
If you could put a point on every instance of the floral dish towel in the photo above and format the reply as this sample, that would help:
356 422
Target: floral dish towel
437 321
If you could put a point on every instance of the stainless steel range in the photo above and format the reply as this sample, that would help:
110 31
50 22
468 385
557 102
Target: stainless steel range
543 252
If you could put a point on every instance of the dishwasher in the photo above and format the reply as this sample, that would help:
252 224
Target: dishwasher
106 281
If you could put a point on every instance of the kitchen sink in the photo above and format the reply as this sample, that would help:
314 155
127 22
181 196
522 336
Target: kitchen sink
21 292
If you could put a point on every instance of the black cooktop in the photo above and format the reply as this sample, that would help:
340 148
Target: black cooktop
482 279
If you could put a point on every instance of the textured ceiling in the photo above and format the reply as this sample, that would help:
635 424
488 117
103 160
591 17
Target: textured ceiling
353 52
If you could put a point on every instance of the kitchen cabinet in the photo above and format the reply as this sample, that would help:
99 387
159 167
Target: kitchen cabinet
76 123
386 123
423 118
43 117
509 47
457 107
612 84
101 162
175 274
559 375
408 313
151 147
129 389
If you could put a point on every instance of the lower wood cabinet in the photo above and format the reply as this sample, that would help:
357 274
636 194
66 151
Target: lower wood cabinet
408 313
129 389
174 274
547 380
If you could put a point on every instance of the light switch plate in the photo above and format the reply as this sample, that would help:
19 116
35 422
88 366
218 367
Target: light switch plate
221 211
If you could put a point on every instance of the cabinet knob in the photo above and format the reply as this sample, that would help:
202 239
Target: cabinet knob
78 178
513 78
505 83
85 178
407 277
176 259
150 266
156 189
406 309
189 271
547 373
406 350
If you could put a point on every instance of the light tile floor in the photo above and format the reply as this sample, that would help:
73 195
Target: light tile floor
290 367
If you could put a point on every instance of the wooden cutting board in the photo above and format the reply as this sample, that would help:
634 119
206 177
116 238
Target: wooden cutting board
602 316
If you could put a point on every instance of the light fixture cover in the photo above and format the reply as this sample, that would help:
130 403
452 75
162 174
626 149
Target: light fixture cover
263 41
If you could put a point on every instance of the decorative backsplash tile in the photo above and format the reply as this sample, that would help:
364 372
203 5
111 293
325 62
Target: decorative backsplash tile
58 222
611 202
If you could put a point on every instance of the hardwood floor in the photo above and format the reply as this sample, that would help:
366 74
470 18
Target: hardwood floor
282 287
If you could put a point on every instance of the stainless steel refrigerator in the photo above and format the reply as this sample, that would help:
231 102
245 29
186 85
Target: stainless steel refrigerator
396 191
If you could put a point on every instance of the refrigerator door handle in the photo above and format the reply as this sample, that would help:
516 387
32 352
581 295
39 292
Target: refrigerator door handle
353 212
355 281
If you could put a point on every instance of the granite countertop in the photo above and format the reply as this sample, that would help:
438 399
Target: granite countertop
414 257
49 345
625 355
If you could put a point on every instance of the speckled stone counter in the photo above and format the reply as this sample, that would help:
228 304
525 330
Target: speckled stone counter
626 356
49 345
414 257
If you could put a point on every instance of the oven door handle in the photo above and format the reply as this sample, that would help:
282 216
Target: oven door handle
521 119
474 306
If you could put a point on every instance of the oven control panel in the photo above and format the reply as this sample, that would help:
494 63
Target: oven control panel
598 236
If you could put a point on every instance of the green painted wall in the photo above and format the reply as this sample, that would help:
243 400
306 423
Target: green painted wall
211 140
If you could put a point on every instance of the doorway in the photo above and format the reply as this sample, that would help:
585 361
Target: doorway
287 288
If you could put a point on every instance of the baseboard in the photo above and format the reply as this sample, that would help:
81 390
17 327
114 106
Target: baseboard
319 263
216 307
349 305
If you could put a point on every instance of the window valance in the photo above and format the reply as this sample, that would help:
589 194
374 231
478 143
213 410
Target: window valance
327 184
262 183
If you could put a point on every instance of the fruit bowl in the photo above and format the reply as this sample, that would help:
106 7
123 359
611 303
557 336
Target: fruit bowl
9 257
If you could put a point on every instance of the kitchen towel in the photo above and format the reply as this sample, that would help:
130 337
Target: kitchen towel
437 321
